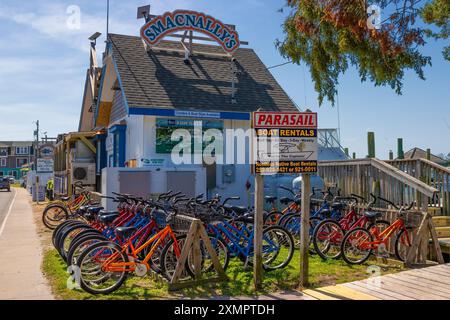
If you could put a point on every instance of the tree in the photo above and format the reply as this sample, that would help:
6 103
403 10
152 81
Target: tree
330 35
437 12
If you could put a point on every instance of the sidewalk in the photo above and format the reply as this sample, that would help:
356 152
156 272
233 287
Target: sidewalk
21 255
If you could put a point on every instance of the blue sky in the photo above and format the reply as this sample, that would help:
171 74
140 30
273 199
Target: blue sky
43 63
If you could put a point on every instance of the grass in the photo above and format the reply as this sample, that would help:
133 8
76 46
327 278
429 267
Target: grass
322 273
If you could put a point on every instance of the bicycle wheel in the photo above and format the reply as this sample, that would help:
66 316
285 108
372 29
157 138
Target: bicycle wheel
277 248
284 217
292 224
82 244
63 243
93 276
272 218
327 238
356 246
169 259
61 228
54 215
222 253
403 244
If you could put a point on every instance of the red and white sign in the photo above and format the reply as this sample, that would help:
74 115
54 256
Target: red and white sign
286 142
284 120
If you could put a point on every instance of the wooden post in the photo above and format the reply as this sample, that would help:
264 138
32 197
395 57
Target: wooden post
304 232
258 227
354 155
346 151
391 155
371 144
400 153
428 154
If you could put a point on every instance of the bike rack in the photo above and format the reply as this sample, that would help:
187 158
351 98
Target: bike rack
195 232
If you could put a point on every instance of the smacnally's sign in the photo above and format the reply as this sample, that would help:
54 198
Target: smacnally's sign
186 20
286 142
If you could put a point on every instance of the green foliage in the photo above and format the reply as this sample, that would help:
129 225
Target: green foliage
437 12
328 36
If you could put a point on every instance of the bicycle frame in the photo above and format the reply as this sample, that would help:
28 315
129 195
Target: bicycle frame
110 266
383 237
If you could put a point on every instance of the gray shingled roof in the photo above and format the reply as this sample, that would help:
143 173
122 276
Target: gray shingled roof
160 79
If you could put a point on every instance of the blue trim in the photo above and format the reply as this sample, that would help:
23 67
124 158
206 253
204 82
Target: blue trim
119 133
101 151
171 113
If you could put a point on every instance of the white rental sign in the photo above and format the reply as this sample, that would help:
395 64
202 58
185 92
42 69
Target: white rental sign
286 142
44 165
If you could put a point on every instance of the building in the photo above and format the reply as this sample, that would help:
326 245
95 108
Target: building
143 92
418 153
14 155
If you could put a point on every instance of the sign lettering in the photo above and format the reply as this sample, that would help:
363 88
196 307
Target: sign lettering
182 20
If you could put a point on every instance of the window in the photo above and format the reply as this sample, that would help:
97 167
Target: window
21 161
22 150
2 162
3 152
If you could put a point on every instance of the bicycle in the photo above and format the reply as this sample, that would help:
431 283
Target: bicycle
359 243
328 234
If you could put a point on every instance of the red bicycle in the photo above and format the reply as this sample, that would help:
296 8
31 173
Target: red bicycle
329 233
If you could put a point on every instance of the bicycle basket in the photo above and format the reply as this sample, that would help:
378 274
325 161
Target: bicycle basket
181 224
160 218
413 219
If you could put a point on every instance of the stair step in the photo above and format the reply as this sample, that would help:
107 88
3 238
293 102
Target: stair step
441 221
435 211
443 232
445 245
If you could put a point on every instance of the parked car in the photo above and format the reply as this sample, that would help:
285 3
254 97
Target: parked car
5 184
12 180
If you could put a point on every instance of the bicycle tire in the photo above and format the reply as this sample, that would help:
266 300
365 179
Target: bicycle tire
60 228
85 284
80 242
344 241
168 254
322 252
397 242
46 219
61 247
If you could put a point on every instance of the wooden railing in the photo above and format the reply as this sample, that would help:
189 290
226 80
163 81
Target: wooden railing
363 176
433 175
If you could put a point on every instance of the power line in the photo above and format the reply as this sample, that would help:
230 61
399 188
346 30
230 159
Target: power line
279 65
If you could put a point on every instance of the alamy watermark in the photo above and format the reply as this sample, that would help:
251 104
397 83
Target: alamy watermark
374 19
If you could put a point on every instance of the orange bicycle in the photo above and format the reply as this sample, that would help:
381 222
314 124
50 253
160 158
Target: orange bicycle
104 266
66 208
359 243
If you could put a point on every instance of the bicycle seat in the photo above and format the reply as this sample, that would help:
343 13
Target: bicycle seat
325 212
108 218
94 210
65 198
239 209
125 232
247 218
270 199
372 214
286 200
338 205
106 212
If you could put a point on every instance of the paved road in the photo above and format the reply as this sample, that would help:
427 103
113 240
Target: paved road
21 251
5 201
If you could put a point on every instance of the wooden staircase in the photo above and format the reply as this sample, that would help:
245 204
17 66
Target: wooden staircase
442 226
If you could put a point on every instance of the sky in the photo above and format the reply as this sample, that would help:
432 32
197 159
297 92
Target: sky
44 54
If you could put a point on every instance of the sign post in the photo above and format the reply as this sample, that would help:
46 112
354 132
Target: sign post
286 143
258 227
304 231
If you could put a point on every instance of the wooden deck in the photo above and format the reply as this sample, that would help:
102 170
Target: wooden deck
430 283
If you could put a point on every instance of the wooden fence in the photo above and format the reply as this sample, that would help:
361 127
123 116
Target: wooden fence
433 175
397 184
363 176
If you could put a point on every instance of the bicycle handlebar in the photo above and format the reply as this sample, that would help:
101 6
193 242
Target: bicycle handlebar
287 189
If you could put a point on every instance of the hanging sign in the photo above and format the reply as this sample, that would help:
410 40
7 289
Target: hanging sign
186 20
286 142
